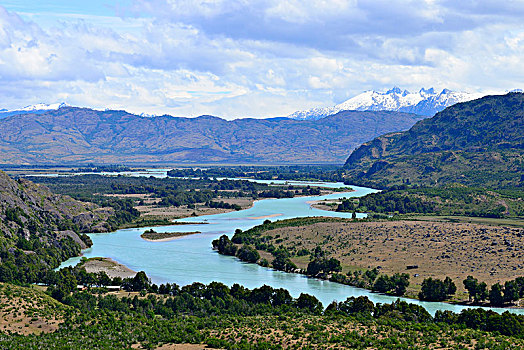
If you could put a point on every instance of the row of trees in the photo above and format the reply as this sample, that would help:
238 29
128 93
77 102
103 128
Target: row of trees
434 289
222 205
249 254
293 172
396 284
498 295
319 266
218 299
446 200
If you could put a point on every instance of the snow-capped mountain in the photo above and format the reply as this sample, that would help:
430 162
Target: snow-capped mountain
38 108
424 102
43 107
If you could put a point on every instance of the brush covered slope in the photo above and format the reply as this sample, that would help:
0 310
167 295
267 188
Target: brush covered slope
476 143
74 136
39 229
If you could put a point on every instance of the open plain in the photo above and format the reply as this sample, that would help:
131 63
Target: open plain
436 249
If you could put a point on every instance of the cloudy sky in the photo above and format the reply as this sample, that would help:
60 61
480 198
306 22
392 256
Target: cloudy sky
258 58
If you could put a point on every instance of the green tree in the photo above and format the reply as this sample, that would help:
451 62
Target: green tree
511 291
495 295
450 286
309 302
400 282
477 291
433 290
249 254
224 246
383 284
140 282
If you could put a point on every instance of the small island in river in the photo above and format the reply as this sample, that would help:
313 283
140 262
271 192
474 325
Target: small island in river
152 235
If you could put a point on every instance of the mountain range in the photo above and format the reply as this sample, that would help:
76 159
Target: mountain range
70 135
424 102
478 143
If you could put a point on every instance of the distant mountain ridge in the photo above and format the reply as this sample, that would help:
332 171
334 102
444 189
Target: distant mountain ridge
34 109
43 107
478 143
424 102
71 135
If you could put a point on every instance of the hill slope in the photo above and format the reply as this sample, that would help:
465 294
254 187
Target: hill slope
39 229
74 135
480 142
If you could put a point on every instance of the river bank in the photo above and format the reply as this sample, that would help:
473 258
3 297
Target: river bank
151 214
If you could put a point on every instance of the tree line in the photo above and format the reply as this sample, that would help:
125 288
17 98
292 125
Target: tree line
445 200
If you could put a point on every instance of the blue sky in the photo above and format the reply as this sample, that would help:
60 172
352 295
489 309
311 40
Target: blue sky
258 58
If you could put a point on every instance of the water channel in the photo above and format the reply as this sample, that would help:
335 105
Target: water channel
190 259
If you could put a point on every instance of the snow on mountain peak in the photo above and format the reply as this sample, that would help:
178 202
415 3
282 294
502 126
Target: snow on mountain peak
424 102
42 107
45 107
33 109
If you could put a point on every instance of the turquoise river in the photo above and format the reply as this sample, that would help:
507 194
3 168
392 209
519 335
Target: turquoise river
190 259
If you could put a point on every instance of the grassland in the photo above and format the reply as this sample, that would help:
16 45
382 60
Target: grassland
437 249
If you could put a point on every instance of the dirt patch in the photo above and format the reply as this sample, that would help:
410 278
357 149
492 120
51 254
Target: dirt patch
182 347
263 217
109 266
329 204
175 347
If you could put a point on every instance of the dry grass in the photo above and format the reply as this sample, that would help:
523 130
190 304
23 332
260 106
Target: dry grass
29 311
340 333
489 253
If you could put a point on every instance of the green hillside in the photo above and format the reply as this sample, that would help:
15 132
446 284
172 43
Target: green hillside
476 143
39 229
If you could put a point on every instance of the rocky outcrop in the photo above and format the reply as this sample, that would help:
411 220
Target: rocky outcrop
28 209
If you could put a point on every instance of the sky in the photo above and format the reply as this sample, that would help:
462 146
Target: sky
258 58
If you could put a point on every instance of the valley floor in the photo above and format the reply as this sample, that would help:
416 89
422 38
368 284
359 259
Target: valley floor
149 211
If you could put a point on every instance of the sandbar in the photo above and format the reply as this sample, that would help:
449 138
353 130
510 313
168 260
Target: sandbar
264 217
109 266
165 236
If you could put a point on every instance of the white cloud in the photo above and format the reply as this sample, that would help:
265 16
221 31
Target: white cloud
258 58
